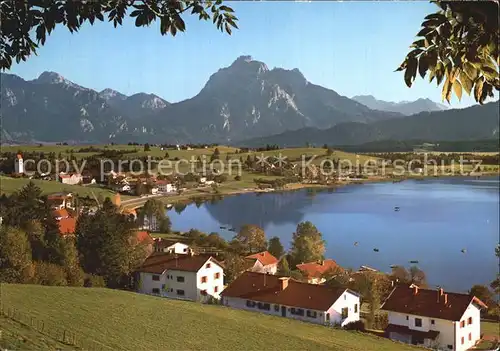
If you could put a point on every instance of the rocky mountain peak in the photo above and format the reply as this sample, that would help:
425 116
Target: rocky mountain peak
49 77
108 94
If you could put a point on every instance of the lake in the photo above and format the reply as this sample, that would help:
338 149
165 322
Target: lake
438 217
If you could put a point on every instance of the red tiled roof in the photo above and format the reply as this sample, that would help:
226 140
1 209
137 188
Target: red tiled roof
67 225
264 257
163 182
58 196
267 288
60 213
317 269
429 303
143 236
159 262
401 329
19 156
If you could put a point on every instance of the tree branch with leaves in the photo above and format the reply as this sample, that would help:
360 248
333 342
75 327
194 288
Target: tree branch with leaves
21 20
458 45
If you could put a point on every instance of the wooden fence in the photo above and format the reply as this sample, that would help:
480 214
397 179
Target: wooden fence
53 330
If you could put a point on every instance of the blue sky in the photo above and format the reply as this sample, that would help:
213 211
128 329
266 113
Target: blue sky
350 47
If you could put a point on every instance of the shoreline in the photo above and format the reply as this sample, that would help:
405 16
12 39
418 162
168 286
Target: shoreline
186 199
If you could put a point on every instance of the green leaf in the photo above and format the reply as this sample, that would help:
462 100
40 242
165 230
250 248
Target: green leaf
411 70
446 93
423 66
424 31
478 89
471 71
466 82
457 88
226 8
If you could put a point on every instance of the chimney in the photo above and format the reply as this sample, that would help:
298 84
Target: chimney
284 283
445 299
415 290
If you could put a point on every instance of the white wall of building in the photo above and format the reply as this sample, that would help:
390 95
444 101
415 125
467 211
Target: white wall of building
184 285
474 329
450 333
178 248
19 165
332 316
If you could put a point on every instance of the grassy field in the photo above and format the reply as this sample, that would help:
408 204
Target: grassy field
490 328
15 336
9 185
128 321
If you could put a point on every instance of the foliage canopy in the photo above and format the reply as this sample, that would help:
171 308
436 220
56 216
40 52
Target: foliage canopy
21 20
458 45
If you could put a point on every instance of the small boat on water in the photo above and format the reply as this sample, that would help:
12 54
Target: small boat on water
232 229
221 227
393 266
376 250
464 250
415 261
396 209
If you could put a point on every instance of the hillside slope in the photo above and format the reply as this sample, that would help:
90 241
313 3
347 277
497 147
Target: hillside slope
128 321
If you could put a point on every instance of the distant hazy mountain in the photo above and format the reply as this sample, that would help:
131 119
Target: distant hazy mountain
406 108
134 106
472 123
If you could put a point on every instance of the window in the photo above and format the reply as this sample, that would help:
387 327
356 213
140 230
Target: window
180 292
345 297
204 292
345 312
356 308
208 265
469 321
297 311
328 316
276 308
264 306
185 249
156 291
251 303
433 321
312 314
462 340
180 279
216 289
203 279
418 322
450 347
407 318
462 324
470 336
163 287
217 275
156 277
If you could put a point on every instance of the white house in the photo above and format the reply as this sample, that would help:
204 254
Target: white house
283 296
433 318
186 277
59 201
262 262
19 164
171 246
70 178
165 186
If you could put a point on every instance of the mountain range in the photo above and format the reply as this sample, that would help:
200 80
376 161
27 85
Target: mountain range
245 100
406 108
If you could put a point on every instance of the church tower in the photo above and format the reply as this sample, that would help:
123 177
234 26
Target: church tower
19 164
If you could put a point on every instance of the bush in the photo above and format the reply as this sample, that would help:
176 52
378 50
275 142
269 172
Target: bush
49 274
94 281
358 325
237 178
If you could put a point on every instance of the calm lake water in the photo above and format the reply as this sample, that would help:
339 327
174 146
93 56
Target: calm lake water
438 218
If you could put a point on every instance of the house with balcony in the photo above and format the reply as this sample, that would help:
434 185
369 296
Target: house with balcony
286 297
433 318
185 277
58 201
263 262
